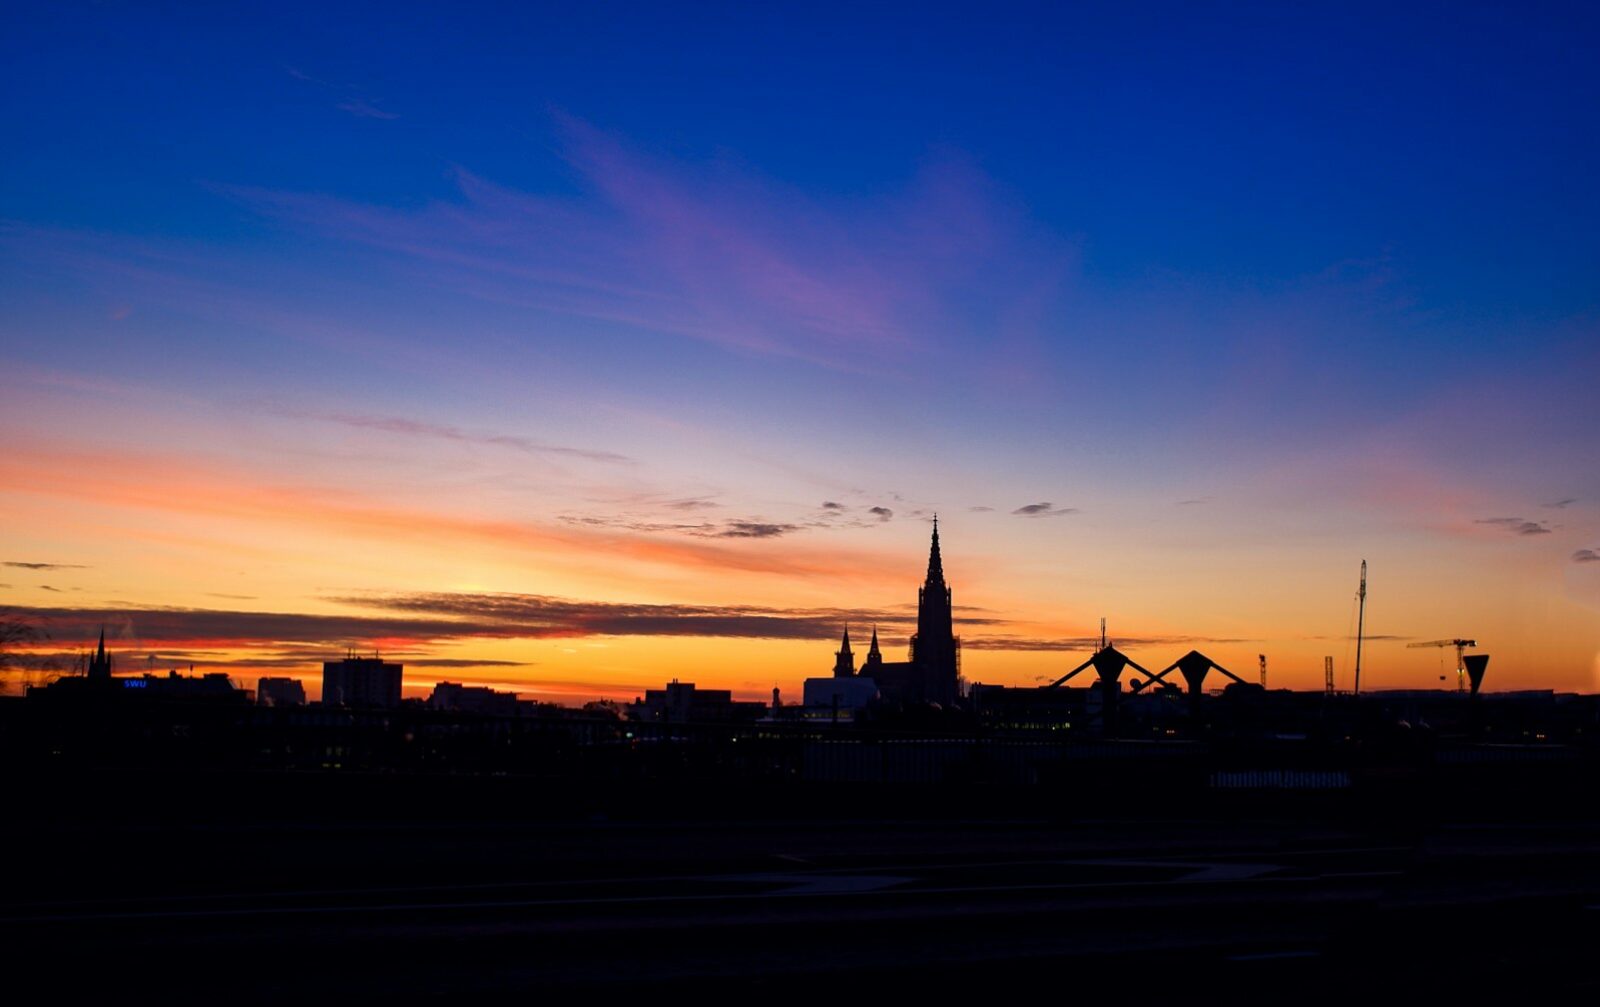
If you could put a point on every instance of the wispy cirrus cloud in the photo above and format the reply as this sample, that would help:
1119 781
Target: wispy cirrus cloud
425 618
1562 504
1087 644
1369 637
256 654
196 486
1586 556
352 102
549 616
1044 509
465 662
19 564
731 528
1516 525
365 109
714 253
754 529
402 426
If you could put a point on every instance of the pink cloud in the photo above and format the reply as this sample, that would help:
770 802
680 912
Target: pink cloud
721 255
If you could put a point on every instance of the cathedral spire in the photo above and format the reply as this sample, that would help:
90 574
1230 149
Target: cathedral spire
934 649
935 563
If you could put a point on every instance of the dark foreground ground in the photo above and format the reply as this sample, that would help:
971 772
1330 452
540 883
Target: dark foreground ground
346 889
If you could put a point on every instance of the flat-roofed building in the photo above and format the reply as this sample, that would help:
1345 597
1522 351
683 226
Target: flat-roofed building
361 682
473 699
683 703
280 692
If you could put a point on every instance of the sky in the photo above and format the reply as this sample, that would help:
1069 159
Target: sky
570 351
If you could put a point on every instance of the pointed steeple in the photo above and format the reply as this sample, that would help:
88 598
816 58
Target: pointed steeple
844 663
934 649
874 655
935 562
100 664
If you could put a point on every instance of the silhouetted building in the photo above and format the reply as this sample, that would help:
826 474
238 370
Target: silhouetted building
837 699
933 673
874 656
473 699
100 686
280 692
1028 708
683 702
844 662
212 686
361 682
100 664
935 649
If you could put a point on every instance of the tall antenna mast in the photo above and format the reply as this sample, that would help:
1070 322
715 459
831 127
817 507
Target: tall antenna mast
1361 619
1102 632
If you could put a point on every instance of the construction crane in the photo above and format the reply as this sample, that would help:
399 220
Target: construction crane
1361 621
1461 664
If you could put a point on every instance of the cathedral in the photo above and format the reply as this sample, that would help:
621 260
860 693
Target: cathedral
932 673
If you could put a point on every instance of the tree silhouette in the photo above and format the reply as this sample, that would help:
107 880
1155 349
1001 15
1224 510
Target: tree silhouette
18 631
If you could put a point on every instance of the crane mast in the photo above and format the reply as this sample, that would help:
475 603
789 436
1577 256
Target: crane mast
1361 618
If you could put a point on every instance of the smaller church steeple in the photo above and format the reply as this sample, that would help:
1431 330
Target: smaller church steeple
874 655
844 663
100 664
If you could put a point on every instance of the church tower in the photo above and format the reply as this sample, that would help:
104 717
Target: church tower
100 664
844 662
874 656
935 650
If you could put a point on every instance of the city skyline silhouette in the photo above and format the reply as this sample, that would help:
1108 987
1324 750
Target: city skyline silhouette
308 346
893 502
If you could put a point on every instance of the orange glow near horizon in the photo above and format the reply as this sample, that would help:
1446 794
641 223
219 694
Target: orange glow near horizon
261 533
